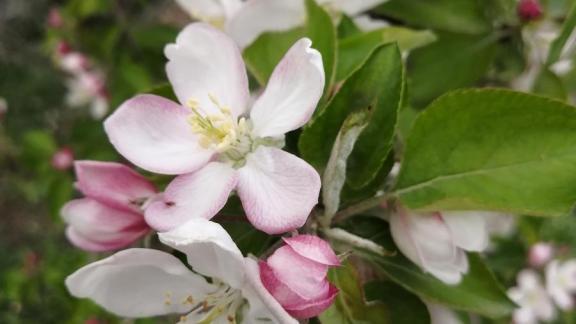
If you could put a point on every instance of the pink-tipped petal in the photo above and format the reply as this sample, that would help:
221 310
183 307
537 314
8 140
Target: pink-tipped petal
87 243
259 16
210 10
314 248
315 307
262 305
199 194
139 283
278 190
305 277
209 250
153 133
281 292
113 183
291 96
205 62
98 227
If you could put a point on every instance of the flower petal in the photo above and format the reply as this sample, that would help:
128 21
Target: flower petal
209 249
315 307
205 62
263 308
279 290
352 7
153 133
259 16
98 227
291 96
278 190
139 283
113 183
314 248
210 10
199 194
468 229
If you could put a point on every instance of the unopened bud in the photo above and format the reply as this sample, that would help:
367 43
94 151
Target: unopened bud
529 10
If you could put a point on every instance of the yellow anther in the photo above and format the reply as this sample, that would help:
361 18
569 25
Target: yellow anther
192 104
188 300
183 318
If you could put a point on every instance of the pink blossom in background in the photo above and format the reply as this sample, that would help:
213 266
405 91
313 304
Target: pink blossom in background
296 275
55 19
63 159
110 216
540 254
529 10
215 142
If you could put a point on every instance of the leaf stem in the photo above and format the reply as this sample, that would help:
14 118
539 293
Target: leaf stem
359 207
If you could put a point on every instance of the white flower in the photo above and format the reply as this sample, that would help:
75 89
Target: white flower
139 283
561 282
534 302
437 241
246 20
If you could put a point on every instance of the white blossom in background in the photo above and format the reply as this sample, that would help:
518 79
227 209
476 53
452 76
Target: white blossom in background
437 242
137 283
215 142
440 314
500 224
244 21
532 298
561 282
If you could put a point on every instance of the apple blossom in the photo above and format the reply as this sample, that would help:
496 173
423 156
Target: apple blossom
215 12
88 88
55 19
437 241
215 143
561 282
259 16
295 274
139 283
110 216
63 159
540 254
530 295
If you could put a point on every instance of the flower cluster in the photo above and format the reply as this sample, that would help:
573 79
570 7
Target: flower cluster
216 142
536 300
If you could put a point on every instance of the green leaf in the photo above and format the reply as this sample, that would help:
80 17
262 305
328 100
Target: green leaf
549 84
403 306
350 306
262 56
478 292
372 88
491 150
353 50
454 61
462 16
322 32
558 47
347 27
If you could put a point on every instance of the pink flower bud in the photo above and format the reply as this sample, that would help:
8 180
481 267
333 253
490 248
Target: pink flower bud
540 253
63 48
529 10
63 159
295 274
110 216
55 18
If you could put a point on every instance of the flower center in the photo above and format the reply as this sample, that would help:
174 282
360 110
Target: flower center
221 131
225 301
